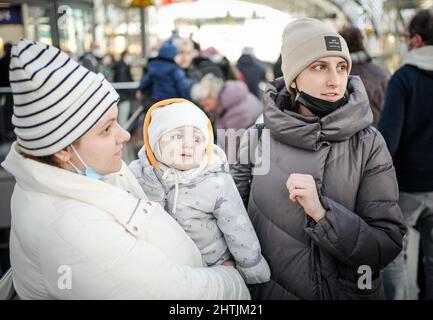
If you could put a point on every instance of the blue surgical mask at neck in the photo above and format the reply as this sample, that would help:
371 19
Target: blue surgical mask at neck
88 171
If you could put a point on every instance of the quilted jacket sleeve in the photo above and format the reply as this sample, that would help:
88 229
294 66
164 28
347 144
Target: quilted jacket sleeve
373 234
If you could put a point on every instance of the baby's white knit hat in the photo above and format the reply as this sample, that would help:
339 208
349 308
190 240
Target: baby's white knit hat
56 100
173 116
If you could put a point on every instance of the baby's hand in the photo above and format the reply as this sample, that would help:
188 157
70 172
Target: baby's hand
229 263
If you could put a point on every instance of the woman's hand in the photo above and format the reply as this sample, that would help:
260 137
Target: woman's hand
302 188
229 263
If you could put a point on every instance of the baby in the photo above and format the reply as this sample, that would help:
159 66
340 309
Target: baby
181 168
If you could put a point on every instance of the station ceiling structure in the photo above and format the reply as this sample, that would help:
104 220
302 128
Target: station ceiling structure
362 13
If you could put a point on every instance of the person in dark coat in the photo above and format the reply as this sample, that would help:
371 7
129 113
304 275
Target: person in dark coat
165 77
205 65
321 190
407 126
7 133
253 71
374 77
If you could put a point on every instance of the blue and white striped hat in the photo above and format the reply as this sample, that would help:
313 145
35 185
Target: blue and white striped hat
56 100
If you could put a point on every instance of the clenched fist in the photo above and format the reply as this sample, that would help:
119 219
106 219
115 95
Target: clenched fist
302 188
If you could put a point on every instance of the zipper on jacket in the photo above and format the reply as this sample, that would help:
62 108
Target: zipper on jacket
317 278
166 190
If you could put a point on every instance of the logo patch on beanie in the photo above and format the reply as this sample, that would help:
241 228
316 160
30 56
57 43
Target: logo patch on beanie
333 43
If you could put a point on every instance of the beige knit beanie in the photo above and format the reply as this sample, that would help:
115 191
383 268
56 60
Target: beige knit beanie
304 41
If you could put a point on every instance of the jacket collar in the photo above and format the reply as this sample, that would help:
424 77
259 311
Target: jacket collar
310 132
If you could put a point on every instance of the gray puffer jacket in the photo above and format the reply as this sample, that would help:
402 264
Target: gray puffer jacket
356 183
209 208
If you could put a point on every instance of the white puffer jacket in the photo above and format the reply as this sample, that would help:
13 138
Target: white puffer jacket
74 237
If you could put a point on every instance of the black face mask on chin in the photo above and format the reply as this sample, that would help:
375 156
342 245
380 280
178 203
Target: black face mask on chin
318 106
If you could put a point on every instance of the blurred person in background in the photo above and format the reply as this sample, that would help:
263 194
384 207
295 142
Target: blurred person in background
407 126
374 77
122 73
91 59
6 101
82 227
326 208
185 59
229 104
277 68
121 69
252 70
107 63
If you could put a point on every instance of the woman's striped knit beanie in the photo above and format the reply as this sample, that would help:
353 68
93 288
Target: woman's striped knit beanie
56 100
